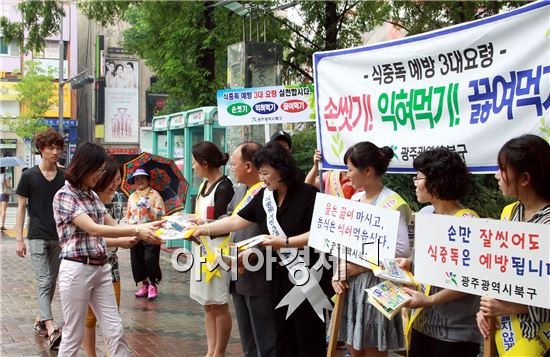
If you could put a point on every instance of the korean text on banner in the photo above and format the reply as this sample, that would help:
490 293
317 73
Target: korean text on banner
469 87
505 260
266 105
360 229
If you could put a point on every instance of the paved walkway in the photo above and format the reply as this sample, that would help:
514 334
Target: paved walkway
172 325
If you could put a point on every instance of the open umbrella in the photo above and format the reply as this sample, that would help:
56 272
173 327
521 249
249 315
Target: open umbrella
10 161
166 178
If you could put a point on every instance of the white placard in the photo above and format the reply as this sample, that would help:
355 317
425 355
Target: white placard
361 228
505 260
469 87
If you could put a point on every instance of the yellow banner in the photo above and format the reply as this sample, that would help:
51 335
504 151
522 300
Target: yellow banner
53 112
8 91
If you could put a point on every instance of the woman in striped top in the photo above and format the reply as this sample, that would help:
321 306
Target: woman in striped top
524 173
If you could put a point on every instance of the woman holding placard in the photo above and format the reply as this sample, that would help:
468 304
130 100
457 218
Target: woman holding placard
364 329
442 321
524 173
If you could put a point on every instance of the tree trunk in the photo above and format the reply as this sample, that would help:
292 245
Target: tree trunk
331 25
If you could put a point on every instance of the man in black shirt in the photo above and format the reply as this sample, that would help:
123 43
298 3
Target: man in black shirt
36 189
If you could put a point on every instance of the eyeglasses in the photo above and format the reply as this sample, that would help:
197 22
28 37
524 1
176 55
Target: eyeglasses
418 179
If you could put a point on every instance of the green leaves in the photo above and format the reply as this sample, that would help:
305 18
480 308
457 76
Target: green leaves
337 145
35 95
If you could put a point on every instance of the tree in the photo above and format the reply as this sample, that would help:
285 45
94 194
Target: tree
35 97
188 51
39 20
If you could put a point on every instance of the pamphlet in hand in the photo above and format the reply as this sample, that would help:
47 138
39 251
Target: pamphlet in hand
250 242
176 226
389 270
388 298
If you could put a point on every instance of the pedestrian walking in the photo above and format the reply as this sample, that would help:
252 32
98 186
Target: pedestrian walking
5 191
36 190
85 277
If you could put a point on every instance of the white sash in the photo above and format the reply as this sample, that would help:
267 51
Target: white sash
290 257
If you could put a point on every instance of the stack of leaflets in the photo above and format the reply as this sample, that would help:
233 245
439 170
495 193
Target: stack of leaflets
249 243
176 226
388 298
389 270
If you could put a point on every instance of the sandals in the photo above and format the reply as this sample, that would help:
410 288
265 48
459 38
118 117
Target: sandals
55 338
40 329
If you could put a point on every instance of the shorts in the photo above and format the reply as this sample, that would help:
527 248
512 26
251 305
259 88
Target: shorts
4 197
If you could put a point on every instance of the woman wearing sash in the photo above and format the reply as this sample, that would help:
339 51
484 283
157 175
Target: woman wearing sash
524 173
283 211
442 321
364 329
211 288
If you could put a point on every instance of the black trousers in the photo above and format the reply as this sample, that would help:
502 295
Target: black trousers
303 334
145 262
426 346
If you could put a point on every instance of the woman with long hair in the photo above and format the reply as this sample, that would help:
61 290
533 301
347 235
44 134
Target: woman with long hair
524 174
85 277
364 329
211 289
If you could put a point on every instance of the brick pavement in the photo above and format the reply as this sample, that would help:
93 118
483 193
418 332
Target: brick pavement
173 325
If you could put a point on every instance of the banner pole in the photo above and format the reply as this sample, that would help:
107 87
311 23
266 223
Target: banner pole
334 329
489 347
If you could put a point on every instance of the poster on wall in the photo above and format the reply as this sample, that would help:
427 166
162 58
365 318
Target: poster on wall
469 87
121 102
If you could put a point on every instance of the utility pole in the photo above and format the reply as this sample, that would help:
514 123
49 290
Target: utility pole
61 77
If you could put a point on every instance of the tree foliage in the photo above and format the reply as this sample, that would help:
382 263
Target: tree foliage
422 16
188 50
323 26
39 19
104 12
35 96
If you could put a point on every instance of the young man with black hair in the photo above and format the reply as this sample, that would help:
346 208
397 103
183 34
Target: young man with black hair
36 189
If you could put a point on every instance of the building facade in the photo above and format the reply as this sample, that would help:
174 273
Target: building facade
114 109
12 59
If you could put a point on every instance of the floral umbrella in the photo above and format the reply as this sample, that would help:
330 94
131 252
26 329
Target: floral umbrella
166 178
